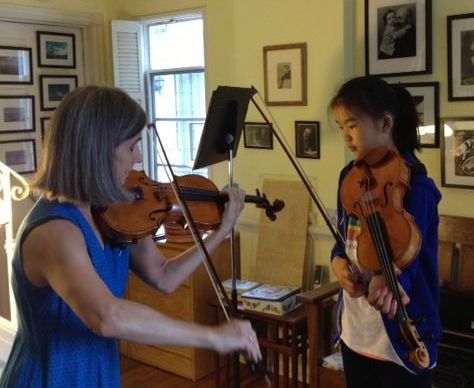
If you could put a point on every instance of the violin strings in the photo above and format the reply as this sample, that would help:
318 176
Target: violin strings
191 225
381 241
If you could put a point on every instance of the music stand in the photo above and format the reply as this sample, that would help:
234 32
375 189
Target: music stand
220 141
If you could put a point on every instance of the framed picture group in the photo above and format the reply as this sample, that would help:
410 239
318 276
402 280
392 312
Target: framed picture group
56 62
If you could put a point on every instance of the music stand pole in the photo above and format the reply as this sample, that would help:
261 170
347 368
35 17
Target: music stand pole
233 261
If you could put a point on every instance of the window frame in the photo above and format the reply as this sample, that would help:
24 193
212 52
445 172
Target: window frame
152 161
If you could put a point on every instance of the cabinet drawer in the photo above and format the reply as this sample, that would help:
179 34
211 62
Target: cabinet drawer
176 305
175 360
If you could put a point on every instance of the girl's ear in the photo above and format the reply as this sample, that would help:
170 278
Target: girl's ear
387 122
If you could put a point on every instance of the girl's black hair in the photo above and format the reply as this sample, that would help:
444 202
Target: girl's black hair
374 97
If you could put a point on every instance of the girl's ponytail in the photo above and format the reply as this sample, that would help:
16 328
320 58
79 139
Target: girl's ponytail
405 134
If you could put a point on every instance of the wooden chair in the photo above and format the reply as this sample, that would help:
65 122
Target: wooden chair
456 253
456 270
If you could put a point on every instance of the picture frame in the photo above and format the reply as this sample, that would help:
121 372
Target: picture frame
53 88
426 97
44 126
16 66
56 49
258 135
457 152
19 155
307 139
461 57
284 70
397 37
17 114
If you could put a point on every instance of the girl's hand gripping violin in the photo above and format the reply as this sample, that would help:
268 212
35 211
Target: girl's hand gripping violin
373 191
154 202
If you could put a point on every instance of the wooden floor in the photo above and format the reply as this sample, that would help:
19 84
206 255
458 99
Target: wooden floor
135 374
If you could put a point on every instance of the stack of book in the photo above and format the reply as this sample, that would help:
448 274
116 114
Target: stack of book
271 299
242 286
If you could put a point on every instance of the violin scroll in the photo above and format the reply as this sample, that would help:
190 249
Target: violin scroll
262 202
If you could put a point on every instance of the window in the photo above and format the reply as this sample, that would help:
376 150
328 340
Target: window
176 91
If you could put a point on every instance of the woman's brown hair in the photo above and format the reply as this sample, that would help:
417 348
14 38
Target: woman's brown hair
77 160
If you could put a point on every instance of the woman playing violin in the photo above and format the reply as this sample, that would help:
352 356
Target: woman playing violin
371 114
69 280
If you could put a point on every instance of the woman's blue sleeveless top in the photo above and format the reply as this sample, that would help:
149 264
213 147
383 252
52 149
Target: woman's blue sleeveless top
53 347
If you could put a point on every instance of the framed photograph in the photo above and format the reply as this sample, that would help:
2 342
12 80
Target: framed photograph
15 65
19 155
461 57
457 152
56 49
397 37
258 135
17 114
53 88
426 97
44 126
307 139
284 70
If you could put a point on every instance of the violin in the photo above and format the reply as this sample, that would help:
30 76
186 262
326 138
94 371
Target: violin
154 203
373 191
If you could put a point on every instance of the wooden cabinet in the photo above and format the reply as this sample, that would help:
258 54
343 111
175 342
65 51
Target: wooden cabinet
190 303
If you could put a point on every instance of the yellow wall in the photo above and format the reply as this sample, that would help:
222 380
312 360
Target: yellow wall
236 31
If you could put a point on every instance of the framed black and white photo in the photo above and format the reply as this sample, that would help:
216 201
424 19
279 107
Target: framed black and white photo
397 37
258 135
461 57
44 126
56 49
19 155
17 114
284 70
15 65
426 97
307 139
457 152
53 88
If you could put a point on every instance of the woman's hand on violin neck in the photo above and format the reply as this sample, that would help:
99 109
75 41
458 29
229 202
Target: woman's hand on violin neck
233 209
237 335
381 298
349 280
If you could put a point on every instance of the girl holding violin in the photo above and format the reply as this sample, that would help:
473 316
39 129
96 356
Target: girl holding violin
375 120
69 279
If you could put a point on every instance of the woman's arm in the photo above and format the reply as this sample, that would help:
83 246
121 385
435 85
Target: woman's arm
55 254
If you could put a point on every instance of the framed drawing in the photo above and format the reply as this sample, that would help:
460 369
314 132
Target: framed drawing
56 49
19 155
426 97
284 70
44 126
457 156
17 114
15 65
461 57
258 135
397 37
53 88
307 139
